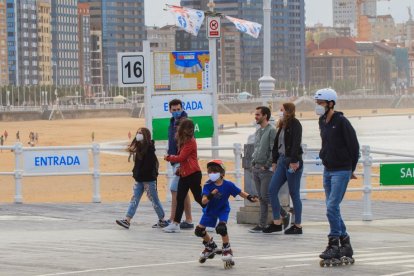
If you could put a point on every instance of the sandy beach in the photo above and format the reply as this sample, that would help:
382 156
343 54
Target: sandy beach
118 189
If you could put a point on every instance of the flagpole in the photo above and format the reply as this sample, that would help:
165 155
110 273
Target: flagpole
212 42
266 82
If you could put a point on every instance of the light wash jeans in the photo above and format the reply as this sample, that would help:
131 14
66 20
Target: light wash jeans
151 189
335 184
279 178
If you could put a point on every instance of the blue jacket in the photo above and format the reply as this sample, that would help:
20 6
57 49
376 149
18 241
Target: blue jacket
172 129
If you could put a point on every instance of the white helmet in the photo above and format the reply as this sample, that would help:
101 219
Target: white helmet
326 94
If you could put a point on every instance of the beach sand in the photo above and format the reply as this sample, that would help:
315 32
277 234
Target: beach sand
119 189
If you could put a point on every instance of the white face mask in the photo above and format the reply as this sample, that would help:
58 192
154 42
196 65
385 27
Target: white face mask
281 115
320 110
139 137
214 176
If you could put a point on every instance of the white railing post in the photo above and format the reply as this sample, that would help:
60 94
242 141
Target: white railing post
367 161
170 175
18 173
96 174
238 164
304 173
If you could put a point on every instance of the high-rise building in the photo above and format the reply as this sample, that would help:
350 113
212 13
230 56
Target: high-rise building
288 38
44 48
84 44
345 12
123 29
96 62
65 42
4 72
27 42
12 49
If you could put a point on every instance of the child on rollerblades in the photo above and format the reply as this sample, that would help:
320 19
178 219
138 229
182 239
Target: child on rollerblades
216 193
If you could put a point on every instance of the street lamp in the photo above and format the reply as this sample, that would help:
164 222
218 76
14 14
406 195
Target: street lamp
109 79
8 98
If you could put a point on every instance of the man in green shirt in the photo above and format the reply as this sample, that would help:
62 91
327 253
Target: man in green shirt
262 162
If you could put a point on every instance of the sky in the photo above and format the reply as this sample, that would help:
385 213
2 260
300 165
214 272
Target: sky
154 14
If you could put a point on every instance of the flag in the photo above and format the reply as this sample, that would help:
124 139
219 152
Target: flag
189 20
247 27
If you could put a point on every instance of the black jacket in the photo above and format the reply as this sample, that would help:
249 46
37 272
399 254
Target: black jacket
340 147
293 141
146 169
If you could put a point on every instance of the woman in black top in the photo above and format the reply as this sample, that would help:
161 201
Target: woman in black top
288 166
145 173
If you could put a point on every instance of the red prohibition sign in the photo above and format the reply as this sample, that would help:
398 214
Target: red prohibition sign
214 25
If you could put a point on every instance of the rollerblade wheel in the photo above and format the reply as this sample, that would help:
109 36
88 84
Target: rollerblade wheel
228 264
211 256
202 260
352 261
322 263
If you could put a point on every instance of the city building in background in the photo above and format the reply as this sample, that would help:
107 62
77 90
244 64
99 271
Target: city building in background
44 28
27 46
162 38
96 62
123 29
12 50
288 40
65 42
84 33
345 13
4 72
377 28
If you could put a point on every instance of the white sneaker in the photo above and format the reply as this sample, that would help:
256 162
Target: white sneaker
172 228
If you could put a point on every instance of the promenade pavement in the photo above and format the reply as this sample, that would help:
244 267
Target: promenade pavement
83 239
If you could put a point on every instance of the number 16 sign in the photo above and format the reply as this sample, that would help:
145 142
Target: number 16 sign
131 71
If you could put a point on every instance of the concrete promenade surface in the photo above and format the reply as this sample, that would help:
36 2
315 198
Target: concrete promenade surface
83 239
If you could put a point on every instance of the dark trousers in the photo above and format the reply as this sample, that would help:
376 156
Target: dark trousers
191 182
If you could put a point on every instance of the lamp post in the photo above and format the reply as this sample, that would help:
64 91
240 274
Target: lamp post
109 80
8 98
56 81
266 82
212 43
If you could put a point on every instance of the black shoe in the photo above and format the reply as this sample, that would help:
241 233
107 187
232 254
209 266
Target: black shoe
286 221
186 225
294 230
256 229
123 222
273 228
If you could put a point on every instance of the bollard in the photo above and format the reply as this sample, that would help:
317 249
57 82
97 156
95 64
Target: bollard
18 173
367 161
96 174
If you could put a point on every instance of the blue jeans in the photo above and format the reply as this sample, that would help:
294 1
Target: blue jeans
279 178
151 189
335 184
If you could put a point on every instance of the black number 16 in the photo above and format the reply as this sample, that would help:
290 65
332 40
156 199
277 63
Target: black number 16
137 70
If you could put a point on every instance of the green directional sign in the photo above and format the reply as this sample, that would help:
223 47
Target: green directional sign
397 174
204 127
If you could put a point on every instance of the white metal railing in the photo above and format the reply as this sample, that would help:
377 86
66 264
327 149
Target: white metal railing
96 173
367 160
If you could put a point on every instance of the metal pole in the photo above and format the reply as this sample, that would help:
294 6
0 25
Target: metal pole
148 90
367 161
212 42
18 173
238 164
303 178
96 174
266 82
